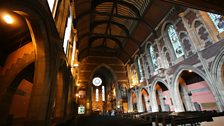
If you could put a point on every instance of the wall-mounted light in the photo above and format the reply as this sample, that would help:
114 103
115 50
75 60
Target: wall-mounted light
75 65
190 71
8 19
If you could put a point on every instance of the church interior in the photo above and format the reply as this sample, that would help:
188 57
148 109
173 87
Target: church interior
111 62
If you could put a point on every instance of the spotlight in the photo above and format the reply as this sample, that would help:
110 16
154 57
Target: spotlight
8 19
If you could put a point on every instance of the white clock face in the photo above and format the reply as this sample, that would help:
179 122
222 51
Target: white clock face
97 81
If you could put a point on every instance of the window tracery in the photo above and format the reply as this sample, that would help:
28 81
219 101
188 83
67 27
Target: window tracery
178 50
153 57
218 21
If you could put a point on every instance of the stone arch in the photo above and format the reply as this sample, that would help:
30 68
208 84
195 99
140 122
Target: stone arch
133 101
217 71
161 97
164 27
170 56
148 57
144 99
174 51
148 43
18 93
43 39
148 60
175 84
114 81
106 66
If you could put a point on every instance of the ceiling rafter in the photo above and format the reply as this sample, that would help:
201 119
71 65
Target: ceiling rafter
114 15
103 35
123 3
115 50
111 26
121 26
117 41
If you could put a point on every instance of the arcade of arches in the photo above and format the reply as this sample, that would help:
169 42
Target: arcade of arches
60 56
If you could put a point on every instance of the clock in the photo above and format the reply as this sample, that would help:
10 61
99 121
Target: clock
97 81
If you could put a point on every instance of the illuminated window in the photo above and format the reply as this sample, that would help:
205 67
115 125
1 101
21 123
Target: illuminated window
67 32
97 81
140 72
153 57
97 94
103 93
178 50
218 21
51 4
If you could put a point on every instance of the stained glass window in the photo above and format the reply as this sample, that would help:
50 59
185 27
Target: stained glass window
140 72
67 32
103 93
175 41
97 94
153 57
218 21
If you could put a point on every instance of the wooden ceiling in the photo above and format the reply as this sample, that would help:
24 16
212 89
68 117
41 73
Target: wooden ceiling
116 28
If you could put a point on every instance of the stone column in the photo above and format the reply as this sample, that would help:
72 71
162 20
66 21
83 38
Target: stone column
130 105
139 102
178 104
162 102
154 104
60 98
41 101
187 100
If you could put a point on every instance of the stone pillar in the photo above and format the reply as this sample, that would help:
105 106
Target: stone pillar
139 102
187 100
162 102
41 101
154 104
89 99
130 105
70 105
59 101
178 104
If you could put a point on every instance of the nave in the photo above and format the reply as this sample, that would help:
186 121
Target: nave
155 62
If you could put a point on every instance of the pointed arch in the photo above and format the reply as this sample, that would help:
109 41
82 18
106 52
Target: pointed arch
175 84
45 38
106 66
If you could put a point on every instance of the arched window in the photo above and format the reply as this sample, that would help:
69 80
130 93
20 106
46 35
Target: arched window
103 93
67 32
218 21
178 50
97 82
153 57
97 94
140 72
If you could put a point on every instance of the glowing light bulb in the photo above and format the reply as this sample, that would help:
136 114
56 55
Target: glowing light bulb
8 19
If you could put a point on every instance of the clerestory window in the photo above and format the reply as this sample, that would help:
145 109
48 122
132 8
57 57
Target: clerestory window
218 21
175 42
